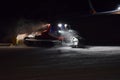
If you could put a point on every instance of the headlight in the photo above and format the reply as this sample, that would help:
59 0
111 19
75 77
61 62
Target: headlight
59 25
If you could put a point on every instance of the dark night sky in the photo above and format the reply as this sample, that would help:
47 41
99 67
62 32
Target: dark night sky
51 8
42 8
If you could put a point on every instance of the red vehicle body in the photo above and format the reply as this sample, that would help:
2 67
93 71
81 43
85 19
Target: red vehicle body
53 35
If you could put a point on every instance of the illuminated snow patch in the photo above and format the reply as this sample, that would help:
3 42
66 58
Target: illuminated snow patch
104 48
21 36
91 48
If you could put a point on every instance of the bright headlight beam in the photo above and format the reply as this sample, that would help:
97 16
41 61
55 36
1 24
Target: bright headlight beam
65 25
118 8
59 25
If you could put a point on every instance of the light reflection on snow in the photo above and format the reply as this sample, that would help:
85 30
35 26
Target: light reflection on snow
95 48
